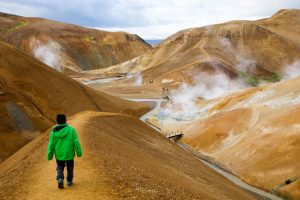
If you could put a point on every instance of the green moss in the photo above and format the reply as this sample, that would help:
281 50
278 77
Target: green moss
254 81
90 38
273 78
18 25
249 79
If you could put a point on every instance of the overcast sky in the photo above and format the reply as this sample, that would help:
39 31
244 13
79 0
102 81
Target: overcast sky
151 19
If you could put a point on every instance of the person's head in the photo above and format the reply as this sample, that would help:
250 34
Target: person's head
61 119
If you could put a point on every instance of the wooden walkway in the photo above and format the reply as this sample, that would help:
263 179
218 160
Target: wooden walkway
175 136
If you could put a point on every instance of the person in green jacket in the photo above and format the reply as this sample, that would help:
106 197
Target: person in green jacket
63 143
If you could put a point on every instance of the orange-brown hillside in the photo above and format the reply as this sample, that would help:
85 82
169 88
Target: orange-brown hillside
123 158
253 51
255 134
68 46
31 94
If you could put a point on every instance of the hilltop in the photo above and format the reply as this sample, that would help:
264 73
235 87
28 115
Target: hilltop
69 47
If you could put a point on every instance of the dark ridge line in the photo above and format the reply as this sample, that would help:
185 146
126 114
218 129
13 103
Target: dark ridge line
87 94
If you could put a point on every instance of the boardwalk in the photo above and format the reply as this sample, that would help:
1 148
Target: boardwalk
175 136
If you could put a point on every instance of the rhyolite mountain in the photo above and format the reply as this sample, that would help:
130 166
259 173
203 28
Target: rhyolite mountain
69 47
253 52
32 93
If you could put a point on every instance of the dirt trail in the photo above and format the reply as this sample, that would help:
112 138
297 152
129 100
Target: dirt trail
87 180
123 158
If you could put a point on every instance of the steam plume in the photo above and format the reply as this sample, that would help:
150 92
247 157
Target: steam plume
291 70
49 54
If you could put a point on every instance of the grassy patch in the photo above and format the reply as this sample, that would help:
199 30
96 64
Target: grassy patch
90 38
273 78
18 25
254 81
249 79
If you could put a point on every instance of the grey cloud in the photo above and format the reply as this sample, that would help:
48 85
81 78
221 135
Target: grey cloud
87 13
145 13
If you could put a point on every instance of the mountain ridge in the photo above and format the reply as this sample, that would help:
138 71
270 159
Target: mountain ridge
252 52
70 47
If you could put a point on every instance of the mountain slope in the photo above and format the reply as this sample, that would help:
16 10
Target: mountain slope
255 134
67 46
242 51
231 45
123 158
31 94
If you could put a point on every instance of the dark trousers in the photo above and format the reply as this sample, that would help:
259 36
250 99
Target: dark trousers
60 169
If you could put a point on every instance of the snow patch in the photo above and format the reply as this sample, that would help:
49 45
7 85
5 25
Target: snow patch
285 101
166 80
259 96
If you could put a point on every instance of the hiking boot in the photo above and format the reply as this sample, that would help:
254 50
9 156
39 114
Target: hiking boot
60 183
70 183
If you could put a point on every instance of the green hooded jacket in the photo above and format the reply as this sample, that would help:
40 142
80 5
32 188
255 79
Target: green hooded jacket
63 143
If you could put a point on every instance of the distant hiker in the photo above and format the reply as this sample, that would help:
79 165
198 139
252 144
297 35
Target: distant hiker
165 92
63 143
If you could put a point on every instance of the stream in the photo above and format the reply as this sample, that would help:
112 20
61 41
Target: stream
103 80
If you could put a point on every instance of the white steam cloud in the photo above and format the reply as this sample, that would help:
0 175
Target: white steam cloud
243 64
291 70
49 54
138 79
183 105
207 86
213 85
